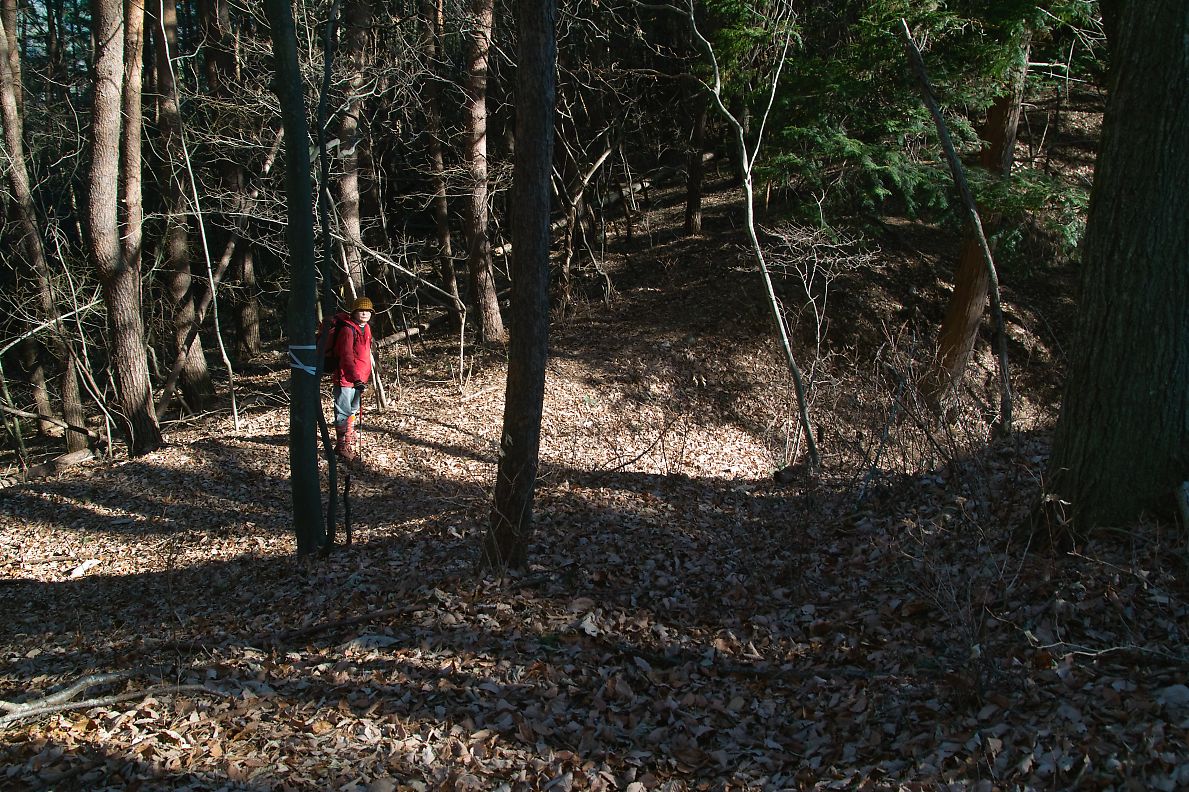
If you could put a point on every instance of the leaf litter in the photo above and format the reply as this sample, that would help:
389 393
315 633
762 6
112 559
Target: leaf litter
685 623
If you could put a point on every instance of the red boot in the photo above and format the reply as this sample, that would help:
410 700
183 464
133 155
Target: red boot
345 440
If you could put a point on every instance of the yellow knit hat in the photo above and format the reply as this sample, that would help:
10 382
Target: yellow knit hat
362 304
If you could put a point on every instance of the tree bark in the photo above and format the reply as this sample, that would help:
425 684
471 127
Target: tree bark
357 22
221 71
120 283
506 543
195 382
696 167
306 402
968 303
431 11
482 274
1121 446
34 248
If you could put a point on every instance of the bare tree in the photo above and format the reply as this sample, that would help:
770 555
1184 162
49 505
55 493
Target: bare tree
31 231
121 282
431 11
505 544
195 381
482 274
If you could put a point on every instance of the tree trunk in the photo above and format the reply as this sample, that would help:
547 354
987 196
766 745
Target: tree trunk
506 543
482 274
220 66
247 316
1121 446
195 382
34 248
357 21
968 303
121 284
306 402
696 169
431 10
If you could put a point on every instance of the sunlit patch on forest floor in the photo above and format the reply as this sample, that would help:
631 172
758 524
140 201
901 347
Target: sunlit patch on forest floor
685 624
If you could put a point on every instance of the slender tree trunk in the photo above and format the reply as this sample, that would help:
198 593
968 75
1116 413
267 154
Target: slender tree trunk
1121 447
247 317
8 18
357 22
696 169
34 249
195 382
431 10
482 274
506 543
121 284
968 303
220 67
306 402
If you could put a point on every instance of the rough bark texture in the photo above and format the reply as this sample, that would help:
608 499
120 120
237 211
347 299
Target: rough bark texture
431 11
968 303
1121 445
506 543
306 403
482 275
31 241
357 19
195 382
121 285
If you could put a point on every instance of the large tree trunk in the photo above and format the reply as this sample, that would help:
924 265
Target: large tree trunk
306 402
121 284
34 249
1121 446
195 382
430 43
482 274
968 303
506 543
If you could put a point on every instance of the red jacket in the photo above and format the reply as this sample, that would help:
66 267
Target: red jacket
353 344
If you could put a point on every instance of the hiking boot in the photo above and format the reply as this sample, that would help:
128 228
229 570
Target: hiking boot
344 446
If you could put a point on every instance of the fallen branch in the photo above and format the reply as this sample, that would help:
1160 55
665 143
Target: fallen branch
86 683
107 700
91 433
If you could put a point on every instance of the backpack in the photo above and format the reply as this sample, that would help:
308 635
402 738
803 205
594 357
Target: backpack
328 335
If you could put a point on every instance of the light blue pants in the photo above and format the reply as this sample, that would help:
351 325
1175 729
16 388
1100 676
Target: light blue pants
346 403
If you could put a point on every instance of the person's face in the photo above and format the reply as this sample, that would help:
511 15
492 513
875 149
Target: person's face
361 317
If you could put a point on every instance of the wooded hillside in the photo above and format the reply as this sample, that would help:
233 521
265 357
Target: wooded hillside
761 219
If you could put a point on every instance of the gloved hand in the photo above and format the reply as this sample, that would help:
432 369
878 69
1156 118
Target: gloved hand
360 386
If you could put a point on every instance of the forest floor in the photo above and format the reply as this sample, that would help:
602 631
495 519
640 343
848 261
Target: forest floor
686 623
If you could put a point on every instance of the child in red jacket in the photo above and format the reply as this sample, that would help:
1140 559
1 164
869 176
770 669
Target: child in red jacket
353 348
